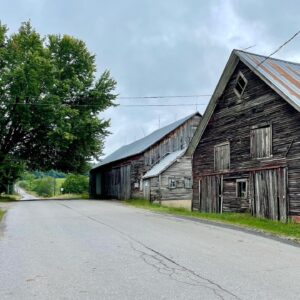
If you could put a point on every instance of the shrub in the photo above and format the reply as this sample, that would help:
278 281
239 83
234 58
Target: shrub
75 184
44 186
24 184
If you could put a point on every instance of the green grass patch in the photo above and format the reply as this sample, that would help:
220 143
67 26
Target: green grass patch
2 212
70 196
290 229
9 198
58 183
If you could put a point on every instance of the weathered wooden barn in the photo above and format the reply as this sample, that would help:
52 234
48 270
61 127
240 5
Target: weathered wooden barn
170 181
246 150
120 175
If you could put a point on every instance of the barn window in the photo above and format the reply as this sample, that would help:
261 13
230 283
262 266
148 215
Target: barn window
240 84
193 130
241 188
261 142
188 182
222 156
141 185
172 183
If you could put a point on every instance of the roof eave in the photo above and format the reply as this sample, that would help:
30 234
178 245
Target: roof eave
226 74
166 167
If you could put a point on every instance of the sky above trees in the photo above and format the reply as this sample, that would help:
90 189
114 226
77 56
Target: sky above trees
170 47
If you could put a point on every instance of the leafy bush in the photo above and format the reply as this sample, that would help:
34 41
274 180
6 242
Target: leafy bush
24 184
76 184
43 187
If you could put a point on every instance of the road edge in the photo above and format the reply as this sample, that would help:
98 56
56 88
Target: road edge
253 231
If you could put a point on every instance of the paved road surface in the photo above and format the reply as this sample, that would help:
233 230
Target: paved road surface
104 250
24 194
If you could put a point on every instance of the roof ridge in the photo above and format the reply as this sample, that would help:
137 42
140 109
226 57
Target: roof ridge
149 140
156 130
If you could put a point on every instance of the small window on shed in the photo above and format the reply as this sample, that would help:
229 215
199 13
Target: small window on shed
172 183
240 85
241 188
188 182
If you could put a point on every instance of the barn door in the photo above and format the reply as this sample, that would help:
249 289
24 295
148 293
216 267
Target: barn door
270 194
146 189
219 200
98 184
211 194
125 184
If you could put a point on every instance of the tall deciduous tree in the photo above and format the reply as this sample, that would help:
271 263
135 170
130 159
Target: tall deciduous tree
50 102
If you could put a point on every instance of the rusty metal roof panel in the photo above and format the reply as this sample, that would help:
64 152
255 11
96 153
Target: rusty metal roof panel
281 75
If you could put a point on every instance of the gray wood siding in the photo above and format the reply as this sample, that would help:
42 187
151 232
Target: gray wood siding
179 139
232 121
140 164
160 190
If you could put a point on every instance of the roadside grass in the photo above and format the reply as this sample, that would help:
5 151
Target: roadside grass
9 198
58 183
290 230
2 212
70 196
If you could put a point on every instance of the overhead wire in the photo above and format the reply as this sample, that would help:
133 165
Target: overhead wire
159 97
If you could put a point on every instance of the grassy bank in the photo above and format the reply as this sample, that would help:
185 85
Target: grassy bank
70 196
9 198
1 214
290 230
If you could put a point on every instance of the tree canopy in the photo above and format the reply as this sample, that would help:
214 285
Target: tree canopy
50 100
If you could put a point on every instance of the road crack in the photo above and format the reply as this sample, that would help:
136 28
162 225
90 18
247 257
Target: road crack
164 264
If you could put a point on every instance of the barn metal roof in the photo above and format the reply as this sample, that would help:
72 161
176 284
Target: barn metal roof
164 164
282 75
143 144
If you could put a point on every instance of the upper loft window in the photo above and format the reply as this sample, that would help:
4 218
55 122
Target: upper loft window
222 157
240 85
261 141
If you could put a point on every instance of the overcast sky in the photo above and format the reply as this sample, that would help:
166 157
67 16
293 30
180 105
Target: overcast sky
166 47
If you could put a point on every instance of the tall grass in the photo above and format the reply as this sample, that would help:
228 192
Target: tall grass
289 229
1 214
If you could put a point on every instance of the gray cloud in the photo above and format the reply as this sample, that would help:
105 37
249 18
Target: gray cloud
169 47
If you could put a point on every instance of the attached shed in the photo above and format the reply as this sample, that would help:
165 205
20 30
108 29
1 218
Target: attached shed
246 149
170 181
119 175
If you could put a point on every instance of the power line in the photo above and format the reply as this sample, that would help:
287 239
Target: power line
158 97
181 104
164 97
91 105
274 52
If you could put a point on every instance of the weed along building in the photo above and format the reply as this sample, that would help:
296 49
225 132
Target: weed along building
120 175
246 151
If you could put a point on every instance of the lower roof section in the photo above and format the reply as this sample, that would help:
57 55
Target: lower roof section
164 164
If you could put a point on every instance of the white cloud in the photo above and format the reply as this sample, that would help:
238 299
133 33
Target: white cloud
162 47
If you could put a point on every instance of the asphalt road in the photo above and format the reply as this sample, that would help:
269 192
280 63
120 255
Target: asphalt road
105 250
24 194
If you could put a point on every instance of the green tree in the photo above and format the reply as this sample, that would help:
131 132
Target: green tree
44 187
75 184
50 100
